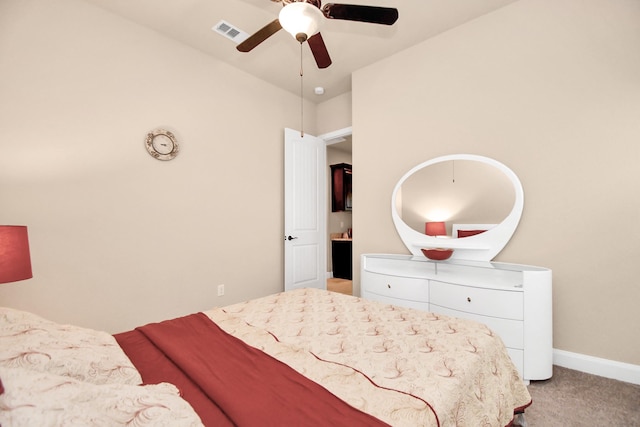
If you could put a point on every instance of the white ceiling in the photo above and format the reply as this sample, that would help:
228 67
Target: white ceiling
351 45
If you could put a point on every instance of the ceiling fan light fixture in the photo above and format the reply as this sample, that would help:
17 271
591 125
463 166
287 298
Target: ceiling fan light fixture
301 20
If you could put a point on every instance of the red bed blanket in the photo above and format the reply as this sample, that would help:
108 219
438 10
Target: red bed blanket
229 382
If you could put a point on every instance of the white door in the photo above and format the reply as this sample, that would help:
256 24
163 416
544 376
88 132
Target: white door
305 201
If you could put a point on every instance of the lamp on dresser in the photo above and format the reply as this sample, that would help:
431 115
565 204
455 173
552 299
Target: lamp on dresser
15 259
435 228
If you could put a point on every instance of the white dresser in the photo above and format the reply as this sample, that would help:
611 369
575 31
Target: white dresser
514 300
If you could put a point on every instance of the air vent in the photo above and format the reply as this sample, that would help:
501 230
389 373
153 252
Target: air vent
230 31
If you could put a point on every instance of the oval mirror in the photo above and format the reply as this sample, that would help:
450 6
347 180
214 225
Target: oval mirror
456 192
475 194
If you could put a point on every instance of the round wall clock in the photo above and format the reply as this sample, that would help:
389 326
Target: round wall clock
162 144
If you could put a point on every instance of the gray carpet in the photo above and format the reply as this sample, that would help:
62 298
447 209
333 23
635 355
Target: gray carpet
575 399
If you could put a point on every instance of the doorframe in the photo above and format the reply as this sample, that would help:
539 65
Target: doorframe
336 136
331 138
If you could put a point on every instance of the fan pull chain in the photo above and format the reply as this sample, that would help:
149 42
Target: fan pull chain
301 96
453 171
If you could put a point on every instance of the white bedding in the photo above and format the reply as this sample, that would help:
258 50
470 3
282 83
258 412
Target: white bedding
403 366
460 367
34 343
34 398
63 375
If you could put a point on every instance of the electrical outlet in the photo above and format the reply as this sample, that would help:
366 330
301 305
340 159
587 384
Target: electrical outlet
220 290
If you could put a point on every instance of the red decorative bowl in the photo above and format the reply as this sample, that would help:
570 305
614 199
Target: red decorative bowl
437 254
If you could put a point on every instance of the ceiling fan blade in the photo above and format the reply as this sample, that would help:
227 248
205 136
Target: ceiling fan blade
354 12
319 50
259 36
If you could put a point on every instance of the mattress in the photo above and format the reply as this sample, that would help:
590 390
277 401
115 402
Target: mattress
457 369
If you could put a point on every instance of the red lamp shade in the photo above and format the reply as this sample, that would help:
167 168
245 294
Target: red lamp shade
15 261
435 228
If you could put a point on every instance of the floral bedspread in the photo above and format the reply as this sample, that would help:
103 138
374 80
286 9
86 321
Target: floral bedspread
63 375
32 342
34 398
391 406
416 363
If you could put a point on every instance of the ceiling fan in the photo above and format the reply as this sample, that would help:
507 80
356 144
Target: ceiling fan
302 18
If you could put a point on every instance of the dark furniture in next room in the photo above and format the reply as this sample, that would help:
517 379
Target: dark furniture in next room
341 258
341 187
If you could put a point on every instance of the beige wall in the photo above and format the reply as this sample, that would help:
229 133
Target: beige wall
334 114
118 238
551 89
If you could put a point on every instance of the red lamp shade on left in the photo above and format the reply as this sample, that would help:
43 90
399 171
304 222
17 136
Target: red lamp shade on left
15 260
437 228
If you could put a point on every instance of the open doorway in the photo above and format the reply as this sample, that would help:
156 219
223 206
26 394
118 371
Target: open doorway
339 223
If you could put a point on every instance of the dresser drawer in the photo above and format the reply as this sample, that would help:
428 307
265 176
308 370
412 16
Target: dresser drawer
487 302
405 288
417 305
510 331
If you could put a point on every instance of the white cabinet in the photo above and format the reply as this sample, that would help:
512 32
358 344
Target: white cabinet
500 303
403 291
513 300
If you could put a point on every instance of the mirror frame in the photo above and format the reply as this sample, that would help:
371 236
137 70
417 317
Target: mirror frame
480 247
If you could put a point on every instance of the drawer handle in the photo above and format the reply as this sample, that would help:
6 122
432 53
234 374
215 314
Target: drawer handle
388 286
468 299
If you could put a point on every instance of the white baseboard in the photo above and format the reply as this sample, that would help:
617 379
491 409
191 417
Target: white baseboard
597 366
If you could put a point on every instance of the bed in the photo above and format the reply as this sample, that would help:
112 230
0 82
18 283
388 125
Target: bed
303 357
